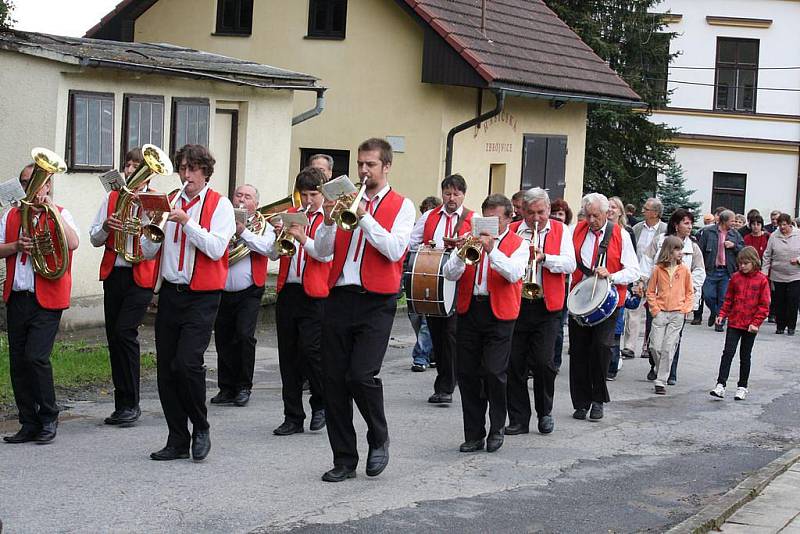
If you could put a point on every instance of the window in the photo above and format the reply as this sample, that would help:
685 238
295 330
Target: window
737 74
234 17
91 130
143 122
327 19
729 189
544 163
341 159
189 122
656 68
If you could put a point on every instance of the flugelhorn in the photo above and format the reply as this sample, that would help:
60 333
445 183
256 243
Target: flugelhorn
285 242
155 230
530 289
50 252
345 211
470 251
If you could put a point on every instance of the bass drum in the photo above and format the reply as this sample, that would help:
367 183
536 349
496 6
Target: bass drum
427 290
591 302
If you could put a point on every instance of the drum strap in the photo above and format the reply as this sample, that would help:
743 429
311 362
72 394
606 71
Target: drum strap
464 214
601 251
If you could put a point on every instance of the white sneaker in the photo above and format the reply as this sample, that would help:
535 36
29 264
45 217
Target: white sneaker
741 393
718 391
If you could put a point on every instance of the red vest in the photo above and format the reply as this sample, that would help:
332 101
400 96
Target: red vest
378 273
50 294
315 273
613 255
433 221
504 297
144 273
553 283
208 274
258 268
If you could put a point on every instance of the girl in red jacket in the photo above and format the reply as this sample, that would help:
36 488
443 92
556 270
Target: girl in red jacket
746 306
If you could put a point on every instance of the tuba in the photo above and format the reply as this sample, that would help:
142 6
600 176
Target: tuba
530 289
155 162
257 223
50 253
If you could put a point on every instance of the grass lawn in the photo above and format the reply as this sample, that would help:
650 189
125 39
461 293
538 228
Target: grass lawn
75 365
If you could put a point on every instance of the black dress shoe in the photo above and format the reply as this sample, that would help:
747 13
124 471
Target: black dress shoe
201 445
129 416
711 319
223 397
47 434
288 428
339 474
651 375
418 368
697 321
790 331
24 435
440 398
546 424
779 331
113 419
596 413
579 413
317 420
472 446
494 441
169 453
627 354
242 398
516 429
377 459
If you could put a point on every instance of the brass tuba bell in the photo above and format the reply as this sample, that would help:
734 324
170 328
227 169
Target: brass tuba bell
50 254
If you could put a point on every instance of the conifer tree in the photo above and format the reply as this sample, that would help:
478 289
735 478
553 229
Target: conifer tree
673 193
6 7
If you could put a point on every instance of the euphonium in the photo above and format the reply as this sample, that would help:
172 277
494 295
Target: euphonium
155 161
345 211
257 223
530 289
155 230
45 245
470 251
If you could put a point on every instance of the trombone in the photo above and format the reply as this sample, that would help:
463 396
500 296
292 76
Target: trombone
530 289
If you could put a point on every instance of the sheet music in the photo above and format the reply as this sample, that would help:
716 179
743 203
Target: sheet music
288 219
112 180
154 201
485 224
338 186
240 215
11 192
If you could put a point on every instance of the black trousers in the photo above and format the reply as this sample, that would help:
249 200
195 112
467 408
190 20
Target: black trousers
355 335
299 318
589 356
532 349
183 331
786 298
483 344
235 338
443 336
124 304
732 338
31 334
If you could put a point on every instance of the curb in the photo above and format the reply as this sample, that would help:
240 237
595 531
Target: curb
715 514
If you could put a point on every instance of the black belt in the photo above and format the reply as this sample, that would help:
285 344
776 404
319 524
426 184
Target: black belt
480 298
185 288
351 288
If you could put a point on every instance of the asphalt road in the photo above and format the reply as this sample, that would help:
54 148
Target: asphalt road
652 462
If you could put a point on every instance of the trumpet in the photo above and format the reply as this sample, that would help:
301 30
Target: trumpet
470 251
155 230
285 241
345 211
530 289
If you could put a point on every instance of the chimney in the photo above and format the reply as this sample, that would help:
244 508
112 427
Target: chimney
483 17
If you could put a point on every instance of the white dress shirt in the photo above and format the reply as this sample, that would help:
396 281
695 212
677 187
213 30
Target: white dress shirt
511 268
563 263
392 245
645 238
98 236
240 274
445 220
297 264
630 262
23 272
213 243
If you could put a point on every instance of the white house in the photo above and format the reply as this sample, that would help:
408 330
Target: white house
736 101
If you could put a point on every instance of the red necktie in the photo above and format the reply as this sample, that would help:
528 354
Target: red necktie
185 206
308 234
448 225
597 234
370 206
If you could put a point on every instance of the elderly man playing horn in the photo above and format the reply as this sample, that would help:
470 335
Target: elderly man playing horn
533 344
34 305
601 251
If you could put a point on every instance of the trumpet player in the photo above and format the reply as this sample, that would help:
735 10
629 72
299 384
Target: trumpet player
533 345
364 282
191 274
488 303
127 291
302 290
33 306
442 226
235 325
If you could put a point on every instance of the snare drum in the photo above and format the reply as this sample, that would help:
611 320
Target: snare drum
590 305
427 290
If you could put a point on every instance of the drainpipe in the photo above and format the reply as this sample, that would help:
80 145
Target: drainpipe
448 158
311 113
797 189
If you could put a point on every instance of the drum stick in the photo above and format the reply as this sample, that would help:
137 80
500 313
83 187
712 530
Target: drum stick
594 287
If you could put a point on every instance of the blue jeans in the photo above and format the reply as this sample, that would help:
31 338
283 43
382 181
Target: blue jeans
421 354
714 289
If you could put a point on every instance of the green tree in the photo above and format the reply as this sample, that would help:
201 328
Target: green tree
673 193
625 151
6 7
